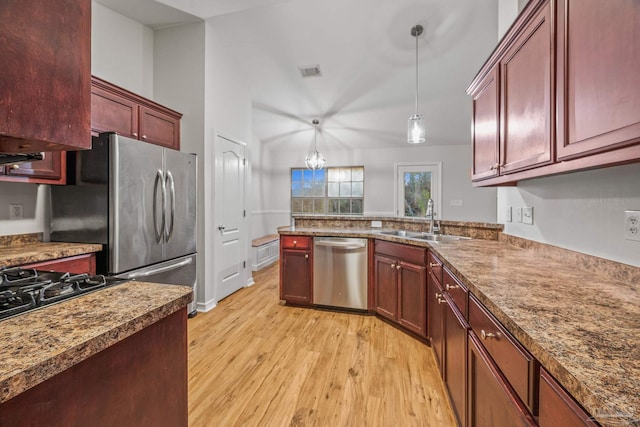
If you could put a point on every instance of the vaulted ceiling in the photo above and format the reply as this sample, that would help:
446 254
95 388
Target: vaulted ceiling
366 55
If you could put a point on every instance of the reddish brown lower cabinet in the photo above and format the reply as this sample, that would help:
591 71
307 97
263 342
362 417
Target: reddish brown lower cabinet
491 401
76 264
296 270
140 381
557 407
435 308
455 358
401 285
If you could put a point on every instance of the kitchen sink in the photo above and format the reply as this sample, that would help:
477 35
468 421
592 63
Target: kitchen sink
429 237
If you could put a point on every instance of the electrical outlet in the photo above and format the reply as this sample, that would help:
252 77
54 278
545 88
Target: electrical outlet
376 224
457 202
527 215
15 212
517 213
632 225
507 214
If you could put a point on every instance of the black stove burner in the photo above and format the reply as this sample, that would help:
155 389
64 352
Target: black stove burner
23 289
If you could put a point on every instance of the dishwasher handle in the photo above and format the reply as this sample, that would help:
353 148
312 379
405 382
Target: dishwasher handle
340 244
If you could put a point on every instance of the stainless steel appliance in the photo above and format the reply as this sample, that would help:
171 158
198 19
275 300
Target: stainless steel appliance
340 272
24 290
139 201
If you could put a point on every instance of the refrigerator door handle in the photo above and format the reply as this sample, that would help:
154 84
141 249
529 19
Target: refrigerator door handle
172 192
159 181
162 269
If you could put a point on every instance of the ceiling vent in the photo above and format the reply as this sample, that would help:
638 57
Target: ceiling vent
310 70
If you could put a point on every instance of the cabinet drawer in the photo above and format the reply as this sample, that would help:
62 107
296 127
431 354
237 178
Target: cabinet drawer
557 407
435 266
456 290
517 365
76 264
407 253
296 242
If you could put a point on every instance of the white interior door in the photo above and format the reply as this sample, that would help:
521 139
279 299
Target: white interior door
230 215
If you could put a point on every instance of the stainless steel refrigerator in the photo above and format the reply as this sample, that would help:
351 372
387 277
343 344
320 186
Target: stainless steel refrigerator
139 201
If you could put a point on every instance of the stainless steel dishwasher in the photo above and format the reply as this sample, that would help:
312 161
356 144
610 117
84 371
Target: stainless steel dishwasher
340 272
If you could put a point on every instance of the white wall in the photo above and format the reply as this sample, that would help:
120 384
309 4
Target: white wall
34 199
581 211
121 50
479 204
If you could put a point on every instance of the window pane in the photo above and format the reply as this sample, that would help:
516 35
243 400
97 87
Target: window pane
296 189
333 189
417 191
356 206
357 174
296 175
357 189
345 206
318 206
345 174
296 205
307 175
334 206
334 175
345 189
307 205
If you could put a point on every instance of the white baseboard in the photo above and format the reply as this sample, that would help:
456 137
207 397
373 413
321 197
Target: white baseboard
207 306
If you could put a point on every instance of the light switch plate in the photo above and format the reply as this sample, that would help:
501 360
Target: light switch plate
527 215
632 225
517 213
507 214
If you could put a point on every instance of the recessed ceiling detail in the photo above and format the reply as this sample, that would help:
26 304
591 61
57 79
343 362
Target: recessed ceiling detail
310 71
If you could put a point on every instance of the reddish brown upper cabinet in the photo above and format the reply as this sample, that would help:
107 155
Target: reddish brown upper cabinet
598 93
401 285
485 127
296 269
115 109
50 170
45 77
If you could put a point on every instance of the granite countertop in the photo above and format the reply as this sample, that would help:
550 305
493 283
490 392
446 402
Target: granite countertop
582 326
42 343
19 253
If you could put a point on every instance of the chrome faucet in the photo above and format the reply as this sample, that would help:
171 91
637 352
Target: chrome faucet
431 215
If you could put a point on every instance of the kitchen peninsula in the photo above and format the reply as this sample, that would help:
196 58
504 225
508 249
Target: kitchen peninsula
116 356
577 316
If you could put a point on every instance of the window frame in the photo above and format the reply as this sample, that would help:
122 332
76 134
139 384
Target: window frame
436 185
326 199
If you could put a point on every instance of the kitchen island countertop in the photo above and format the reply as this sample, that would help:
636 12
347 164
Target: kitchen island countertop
42 343
582 325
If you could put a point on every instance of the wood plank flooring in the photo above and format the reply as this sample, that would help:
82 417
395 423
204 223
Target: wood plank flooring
255 362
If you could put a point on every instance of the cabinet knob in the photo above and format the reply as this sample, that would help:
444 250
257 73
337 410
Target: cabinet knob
393 266
486 335
449 287
398 266
144 136
135 134
295 242
306 256
494 167
15 166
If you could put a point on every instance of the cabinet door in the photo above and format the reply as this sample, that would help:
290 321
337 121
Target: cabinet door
435 308
491 401
455 360
557 407
296 277
598 65
526 109
48 168
159 128
386 287
412 297
113 113
485 127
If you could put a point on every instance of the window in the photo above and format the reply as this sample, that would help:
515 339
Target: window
334 191
416 184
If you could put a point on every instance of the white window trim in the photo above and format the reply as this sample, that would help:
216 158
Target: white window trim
436 184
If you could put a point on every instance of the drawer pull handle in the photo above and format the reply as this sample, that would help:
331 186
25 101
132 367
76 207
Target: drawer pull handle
434 264
135 134
486 335
449 287
440 300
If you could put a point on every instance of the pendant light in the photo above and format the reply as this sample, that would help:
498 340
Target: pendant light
314 159
415 126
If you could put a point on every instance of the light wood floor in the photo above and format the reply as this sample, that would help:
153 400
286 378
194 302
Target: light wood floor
254 362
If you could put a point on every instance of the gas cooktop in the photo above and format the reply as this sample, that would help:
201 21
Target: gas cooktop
22 290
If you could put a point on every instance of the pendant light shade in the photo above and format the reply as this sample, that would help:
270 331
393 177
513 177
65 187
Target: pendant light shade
314 159
415 125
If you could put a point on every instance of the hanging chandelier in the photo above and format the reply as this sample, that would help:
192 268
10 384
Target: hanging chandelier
415 126
314 159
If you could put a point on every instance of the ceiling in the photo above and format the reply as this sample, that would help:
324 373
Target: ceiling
367 57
